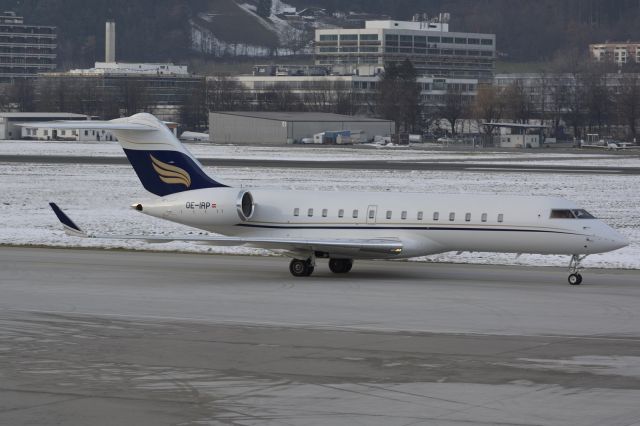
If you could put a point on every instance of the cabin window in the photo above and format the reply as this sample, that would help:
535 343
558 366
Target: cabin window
500 218
310 213
325 212
452 217
355 214
389 214
372 214
420 215
296 212
404 215
467 217
436 216
484 217
86 133
341 213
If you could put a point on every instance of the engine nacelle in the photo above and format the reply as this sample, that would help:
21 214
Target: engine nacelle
245 205
203 207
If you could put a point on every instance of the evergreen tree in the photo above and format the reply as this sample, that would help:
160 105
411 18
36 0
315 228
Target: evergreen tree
264 8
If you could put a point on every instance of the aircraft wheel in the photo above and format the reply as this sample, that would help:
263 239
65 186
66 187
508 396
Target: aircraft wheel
575 279
340 266
300 268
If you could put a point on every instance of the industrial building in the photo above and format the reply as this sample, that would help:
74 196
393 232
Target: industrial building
9 128
111 88
25 50
279 128
430 46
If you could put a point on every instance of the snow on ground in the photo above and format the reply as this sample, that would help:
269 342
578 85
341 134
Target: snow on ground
323 153
98 198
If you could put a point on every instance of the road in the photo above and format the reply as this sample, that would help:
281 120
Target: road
110 337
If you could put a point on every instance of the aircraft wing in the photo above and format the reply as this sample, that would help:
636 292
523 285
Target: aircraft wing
335 246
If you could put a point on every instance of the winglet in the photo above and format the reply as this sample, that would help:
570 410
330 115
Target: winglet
70 228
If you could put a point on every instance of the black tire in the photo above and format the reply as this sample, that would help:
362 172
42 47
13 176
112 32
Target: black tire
300 268
340 266
575 279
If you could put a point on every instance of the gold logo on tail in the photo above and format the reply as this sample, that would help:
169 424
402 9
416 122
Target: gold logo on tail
171 174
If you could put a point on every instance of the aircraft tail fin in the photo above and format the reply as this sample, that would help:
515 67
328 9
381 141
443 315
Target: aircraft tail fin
163 164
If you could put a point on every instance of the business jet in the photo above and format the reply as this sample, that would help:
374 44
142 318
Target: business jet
339 226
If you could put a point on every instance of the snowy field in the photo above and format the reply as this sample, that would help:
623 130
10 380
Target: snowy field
319 153
98 198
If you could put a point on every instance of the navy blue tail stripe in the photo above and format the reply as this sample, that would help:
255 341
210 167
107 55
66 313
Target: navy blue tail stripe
167 172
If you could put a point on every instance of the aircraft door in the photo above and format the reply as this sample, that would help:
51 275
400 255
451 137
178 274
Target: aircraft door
372 213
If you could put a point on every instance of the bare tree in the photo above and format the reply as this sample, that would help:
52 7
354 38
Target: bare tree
21 95
598 98
488 107
398 96
628 102
135 96
194 112
558 99
455 106
225 94
519 106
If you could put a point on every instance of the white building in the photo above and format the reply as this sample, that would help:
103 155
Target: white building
125 68
11 130
430 46
618 53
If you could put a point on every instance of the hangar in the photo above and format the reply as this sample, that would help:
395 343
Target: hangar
279 128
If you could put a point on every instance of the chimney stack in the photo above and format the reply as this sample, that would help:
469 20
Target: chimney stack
110 42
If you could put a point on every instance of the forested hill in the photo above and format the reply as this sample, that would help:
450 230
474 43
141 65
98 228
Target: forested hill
527 30
158 30
147 30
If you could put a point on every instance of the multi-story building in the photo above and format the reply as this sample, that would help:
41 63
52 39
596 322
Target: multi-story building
618 53
25 50
430 46
159 88
322 93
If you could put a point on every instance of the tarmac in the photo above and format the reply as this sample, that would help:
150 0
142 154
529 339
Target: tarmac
113 337
516 166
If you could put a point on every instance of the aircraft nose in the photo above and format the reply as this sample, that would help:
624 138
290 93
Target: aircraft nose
614 240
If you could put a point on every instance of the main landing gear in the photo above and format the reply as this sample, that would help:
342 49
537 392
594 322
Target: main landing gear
301 268
340 266
304 268
575 278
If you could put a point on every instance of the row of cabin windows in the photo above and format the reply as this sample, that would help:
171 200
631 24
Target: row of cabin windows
403 215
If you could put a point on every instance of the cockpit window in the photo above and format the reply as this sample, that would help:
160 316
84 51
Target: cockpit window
562 214
583 214
571 214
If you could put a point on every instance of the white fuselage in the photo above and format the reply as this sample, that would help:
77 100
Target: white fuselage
424 223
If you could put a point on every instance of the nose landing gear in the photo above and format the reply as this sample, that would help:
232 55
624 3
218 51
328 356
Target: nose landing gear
575 278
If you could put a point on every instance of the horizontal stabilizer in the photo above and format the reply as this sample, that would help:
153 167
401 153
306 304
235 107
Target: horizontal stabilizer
89 125
70 228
